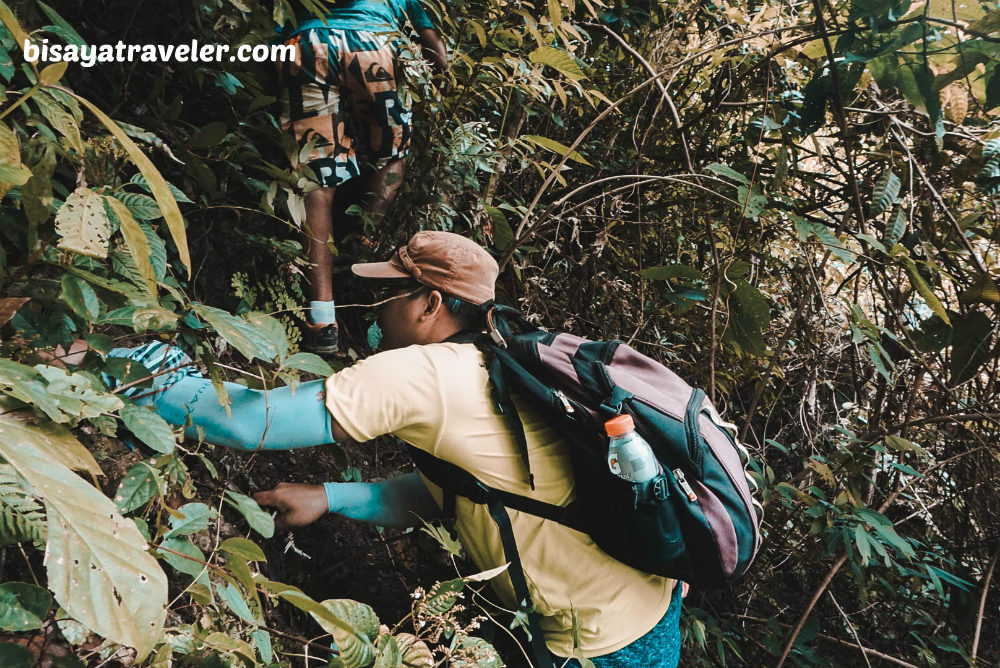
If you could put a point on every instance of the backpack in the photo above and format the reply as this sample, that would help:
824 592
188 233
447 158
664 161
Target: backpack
697 521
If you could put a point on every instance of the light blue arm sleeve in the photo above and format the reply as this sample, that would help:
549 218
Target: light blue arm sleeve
398 502
270 420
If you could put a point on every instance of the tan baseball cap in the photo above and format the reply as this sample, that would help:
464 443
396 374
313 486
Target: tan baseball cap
443 260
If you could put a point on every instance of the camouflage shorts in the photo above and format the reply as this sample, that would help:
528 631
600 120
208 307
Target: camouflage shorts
344 93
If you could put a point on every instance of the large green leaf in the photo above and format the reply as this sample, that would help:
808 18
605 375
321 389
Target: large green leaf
80 297
971 345
23 606
259 520
97 561
139 486
356 648
749 314
149 428
558 59
557 147
135 239
920 285
13 655
885 193
250 339
191 518
308 362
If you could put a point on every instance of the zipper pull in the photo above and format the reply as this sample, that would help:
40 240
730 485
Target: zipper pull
685 487
567 406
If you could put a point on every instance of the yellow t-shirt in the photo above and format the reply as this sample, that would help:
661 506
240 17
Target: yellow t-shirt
436 397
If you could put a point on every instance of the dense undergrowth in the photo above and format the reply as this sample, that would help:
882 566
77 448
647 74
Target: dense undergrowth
795 210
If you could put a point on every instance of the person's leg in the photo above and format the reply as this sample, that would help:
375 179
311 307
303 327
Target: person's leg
378 103
383 186
313 112
318 232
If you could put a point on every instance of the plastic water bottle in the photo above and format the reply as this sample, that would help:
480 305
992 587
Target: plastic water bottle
629 455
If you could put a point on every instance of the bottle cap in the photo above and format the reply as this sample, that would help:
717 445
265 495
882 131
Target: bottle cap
619 426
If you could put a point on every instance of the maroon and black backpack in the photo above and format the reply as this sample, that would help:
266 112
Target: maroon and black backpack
697 521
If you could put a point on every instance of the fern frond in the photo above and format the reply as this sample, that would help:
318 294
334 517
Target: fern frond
21 515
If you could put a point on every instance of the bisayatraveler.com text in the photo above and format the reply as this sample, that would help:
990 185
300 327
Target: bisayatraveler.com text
89 55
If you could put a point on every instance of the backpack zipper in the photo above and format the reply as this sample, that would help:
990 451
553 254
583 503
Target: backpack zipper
564 400
685 487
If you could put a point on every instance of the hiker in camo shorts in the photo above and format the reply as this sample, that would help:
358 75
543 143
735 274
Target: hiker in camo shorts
344 93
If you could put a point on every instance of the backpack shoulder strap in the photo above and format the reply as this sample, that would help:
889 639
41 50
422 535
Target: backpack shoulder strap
455 480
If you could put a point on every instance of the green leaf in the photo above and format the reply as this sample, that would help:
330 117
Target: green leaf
23 606
671 271
262 641
16 175
971 345
137 488
149 428
60 119
804 228
233 598
13 655
309 363
355 641
67 30
933 335
993 89
749 314
885 193
728 172
556 147
137 242
503 235
272 329
259 521
185 557
923 289
79 296
193 518
174 190
557 59
864 546
208 135
61 445
97 562
142 207
51 74
750 202
896 228
249 339
242 547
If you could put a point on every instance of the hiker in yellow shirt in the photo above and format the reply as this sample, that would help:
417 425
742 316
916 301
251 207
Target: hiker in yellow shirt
434 394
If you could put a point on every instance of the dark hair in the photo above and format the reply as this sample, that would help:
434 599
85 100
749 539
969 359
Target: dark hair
469 316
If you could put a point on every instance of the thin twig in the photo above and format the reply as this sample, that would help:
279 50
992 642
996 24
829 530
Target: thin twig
982 609
854 632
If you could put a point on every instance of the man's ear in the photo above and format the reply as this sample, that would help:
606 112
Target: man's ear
435 302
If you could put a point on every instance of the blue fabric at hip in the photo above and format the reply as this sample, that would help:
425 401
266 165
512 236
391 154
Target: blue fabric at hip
660 648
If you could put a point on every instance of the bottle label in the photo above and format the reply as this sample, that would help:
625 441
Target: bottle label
613 463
